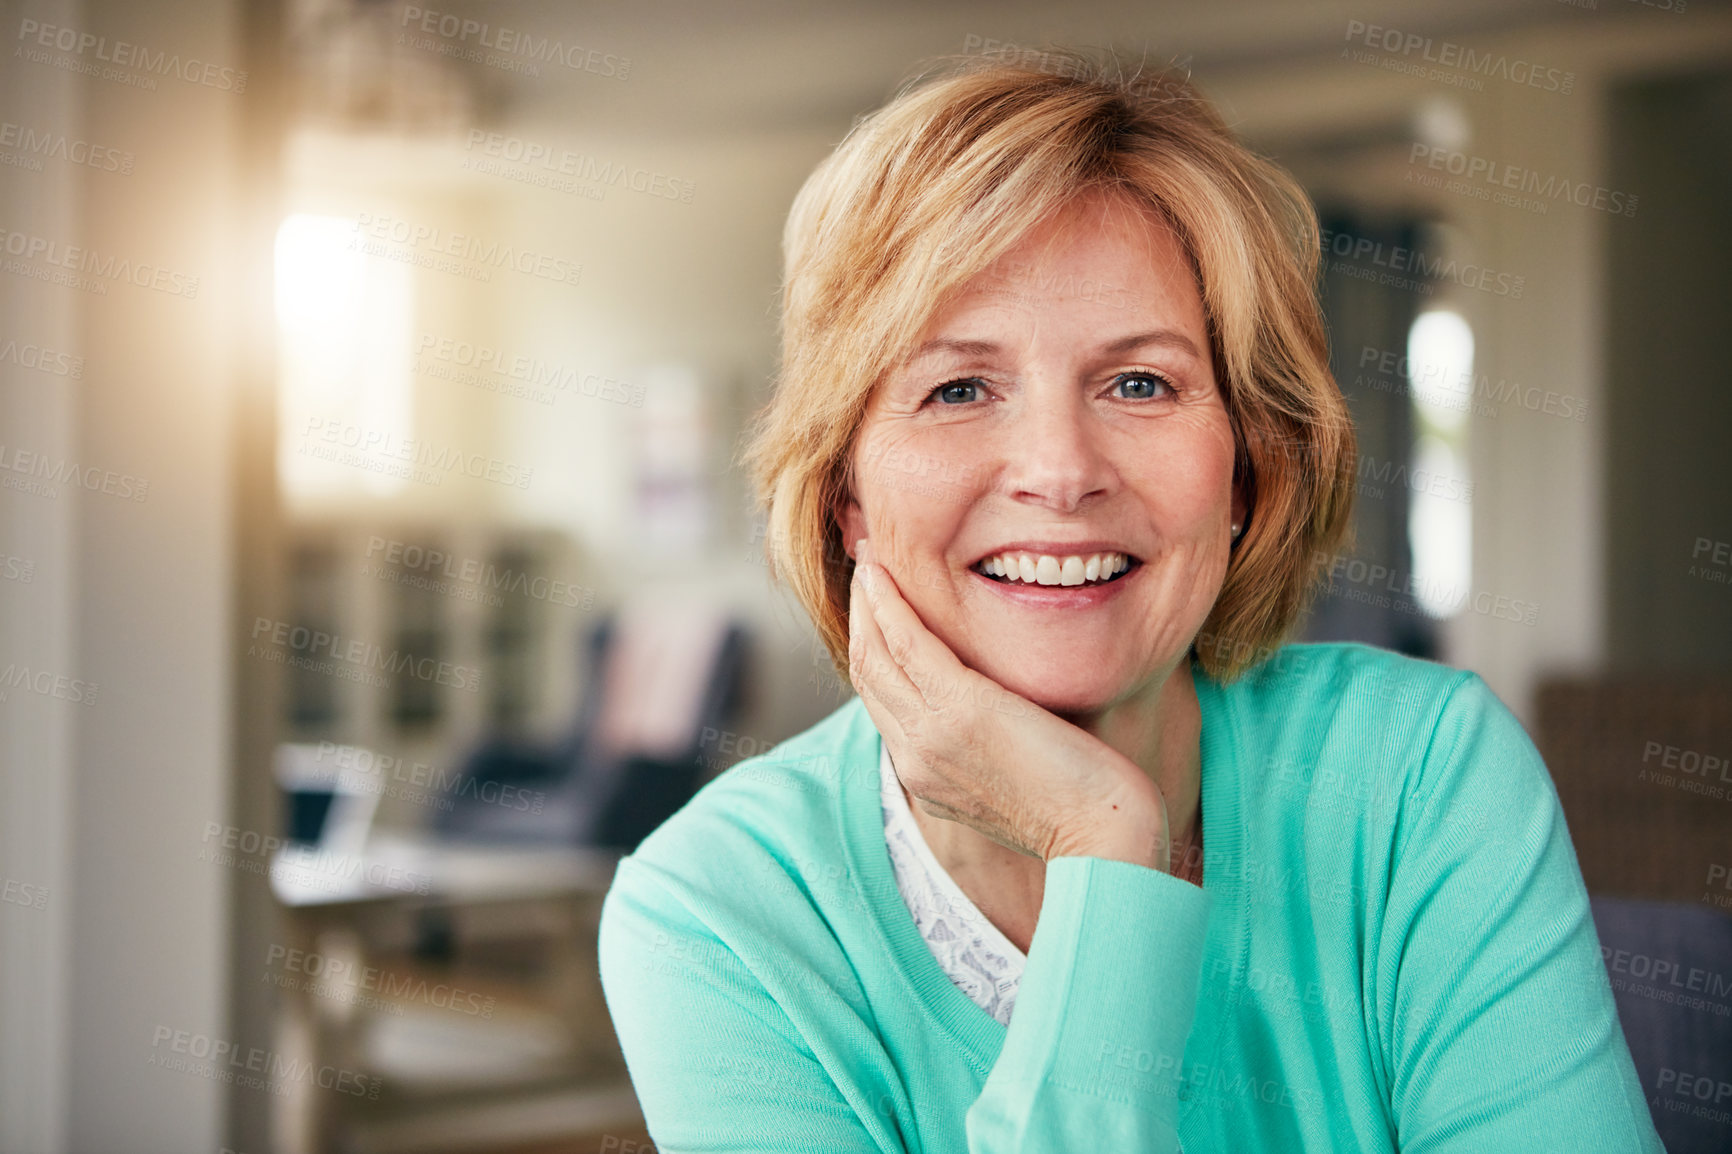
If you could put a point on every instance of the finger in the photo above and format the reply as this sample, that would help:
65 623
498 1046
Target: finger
883 687
925 662
886 672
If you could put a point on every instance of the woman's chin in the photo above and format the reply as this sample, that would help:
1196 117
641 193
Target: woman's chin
1060 691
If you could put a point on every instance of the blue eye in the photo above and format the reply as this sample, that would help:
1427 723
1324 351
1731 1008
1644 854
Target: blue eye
957 392
1147 385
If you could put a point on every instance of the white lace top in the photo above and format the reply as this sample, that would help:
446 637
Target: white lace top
979 959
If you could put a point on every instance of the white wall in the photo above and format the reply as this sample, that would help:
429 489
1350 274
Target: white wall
105 803
38 622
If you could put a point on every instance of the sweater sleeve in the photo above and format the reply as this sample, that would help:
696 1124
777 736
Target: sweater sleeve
1502 1035
1091 1060
716 1063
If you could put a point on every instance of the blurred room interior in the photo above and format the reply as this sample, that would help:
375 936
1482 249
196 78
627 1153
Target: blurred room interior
447 588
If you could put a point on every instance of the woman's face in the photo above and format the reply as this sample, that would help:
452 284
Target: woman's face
1062 406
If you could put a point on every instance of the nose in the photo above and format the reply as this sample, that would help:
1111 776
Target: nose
1056 456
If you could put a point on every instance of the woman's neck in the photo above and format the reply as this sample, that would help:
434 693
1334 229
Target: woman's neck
1160 729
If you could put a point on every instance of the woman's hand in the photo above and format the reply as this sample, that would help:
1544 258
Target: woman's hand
971 751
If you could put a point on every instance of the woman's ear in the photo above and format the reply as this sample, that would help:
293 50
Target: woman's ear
1240 510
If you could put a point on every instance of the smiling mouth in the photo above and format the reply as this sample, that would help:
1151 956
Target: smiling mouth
1022 568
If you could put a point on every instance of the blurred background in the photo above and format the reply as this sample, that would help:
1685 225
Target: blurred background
374 570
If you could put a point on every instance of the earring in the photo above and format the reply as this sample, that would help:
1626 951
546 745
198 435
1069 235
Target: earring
1237 529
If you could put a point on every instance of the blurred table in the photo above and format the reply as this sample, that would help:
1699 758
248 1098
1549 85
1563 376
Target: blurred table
453 987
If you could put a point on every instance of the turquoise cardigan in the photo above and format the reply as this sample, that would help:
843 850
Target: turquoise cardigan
1391 950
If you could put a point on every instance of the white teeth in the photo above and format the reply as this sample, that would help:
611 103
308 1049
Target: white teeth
1047 569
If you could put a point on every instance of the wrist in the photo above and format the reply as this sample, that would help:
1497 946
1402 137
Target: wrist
1126 833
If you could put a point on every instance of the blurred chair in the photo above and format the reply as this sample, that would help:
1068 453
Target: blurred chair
1643 767
658 676
1671 970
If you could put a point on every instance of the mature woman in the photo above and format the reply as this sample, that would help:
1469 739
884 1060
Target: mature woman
1093 862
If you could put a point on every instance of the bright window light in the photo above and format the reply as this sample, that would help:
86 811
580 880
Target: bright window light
1439 509
1440 368
344 334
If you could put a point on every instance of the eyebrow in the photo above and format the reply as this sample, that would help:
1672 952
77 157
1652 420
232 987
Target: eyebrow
1125 344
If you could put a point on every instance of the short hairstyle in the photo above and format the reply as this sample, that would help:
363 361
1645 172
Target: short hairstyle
929 190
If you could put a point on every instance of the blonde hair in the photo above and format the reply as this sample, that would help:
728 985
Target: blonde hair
929 190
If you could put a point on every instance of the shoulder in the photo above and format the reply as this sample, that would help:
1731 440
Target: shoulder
1337 676
1362 722
1343 693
